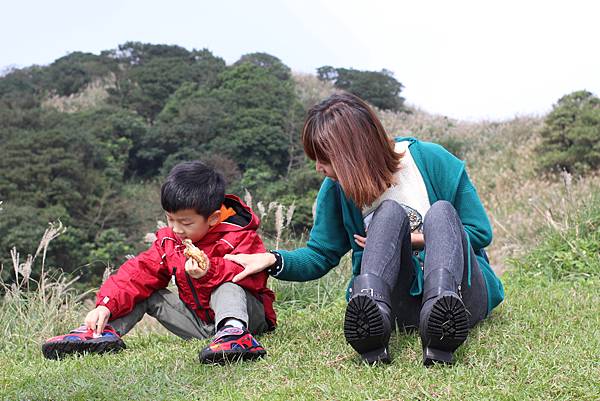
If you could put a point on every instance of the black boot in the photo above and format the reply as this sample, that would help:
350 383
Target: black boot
368 320
444 324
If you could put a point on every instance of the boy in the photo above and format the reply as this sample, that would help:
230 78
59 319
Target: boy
197 209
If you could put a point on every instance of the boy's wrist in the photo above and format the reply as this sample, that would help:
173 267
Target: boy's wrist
276 267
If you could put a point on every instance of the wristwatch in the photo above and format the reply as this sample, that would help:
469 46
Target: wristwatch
276 267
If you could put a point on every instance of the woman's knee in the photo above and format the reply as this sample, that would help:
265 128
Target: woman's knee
390 210
439 211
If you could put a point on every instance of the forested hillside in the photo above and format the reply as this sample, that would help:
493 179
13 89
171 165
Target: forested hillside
86 140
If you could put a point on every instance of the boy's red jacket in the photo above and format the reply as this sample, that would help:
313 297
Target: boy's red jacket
152 270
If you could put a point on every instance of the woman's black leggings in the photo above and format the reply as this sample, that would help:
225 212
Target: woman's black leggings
388 254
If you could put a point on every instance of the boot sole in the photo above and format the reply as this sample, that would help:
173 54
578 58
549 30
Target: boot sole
60 349
364 329
447 328
231 356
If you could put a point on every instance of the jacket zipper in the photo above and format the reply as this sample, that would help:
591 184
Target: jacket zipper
194 294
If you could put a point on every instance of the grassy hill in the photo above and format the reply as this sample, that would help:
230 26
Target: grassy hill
541 343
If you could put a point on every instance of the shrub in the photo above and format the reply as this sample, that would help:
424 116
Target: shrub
571 135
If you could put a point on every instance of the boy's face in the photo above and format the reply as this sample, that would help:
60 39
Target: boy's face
188 224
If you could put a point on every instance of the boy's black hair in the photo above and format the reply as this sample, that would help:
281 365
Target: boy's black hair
193 185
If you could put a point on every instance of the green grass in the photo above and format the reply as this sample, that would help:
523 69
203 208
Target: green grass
542 343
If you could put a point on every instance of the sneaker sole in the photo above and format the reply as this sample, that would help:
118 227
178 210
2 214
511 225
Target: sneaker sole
231 356
364 329
60 349
447 328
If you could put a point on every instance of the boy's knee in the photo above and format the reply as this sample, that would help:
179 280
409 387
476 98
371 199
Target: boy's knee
228 292
229 287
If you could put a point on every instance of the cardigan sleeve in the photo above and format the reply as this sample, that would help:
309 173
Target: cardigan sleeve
446 179
327 243
472 214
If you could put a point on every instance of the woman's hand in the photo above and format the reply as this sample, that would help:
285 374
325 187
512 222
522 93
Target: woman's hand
417 241
361 241
252 263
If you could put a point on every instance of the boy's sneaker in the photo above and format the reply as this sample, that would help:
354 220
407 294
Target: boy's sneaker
232 344
83 340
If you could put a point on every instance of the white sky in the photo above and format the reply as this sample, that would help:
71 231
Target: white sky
464 59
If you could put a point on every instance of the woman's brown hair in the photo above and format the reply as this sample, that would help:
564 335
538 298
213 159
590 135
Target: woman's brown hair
344 131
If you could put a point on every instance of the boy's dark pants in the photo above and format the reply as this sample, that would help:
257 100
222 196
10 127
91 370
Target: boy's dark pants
227 301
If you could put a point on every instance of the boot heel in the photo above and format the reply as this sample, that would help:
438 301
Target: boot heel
377 355
432 355
446 328
364 329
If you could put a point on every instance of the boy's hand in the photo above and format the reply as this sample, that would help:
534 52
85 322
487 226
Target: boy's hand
193 269
252 263
97 318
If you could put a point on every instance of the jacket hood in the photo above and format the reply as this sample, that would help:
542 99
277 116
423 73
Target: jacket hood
243 220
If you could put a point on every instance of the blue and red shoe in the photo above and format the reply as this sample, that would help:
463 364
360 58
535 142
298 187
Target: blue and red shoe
232 344
82 340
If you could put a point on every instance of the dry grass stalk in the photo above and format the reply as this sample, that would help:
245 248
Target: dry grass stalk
248 198
261 210
107 272
15 261
50 234
45 311
149 238
568 181
278 224
290 214
25 270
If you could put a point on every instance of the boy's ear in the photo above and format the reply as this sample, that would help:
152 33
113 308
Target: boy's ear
214 218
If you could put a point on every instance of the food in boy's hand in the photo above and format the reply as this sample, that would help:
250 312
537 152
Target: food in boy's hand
191 251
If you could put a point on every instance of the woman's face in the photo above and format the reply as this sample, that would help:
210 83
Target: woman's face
326 169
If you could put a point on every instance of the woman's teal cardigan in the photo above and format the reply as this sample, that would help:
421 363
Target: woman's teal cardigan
337 219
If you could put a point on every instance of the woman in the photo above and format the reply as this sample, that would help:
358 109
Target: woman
422 264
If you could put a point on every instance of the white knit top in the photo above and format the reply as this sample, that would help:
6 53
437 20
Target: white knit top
408 188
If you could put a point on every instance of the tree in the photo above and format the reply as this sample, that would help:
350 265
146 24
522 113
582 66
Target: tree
327 73
69 74
72 170
380 89
249 118
135 53
20 88
272 64
152 73
571 134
